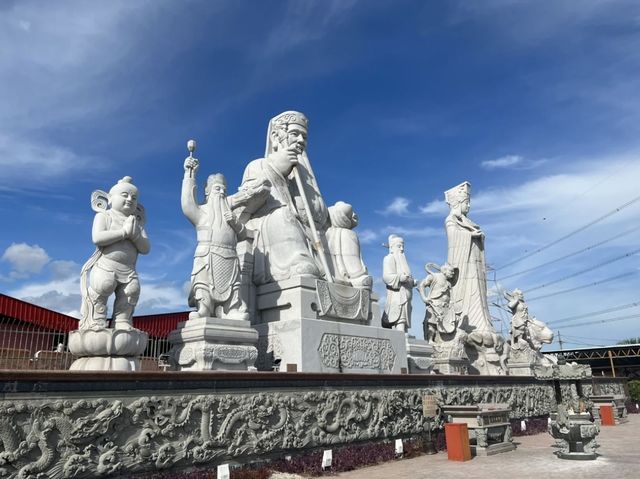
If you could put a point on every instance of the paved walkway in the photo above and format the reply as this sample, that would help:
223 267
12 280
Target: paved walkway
619 458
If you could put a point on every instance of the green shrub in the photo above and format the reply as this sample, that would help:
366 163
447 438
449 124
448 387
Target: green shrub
634 389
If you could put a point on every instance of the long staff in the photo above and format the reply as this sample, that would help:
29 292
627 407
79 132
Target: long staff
317 243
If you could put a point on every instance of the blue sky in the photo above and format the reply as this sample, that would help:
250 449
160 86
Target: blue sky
535 103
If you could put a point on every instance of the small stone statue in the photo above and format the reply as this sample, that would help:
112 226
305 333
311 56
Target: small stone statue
348 266
397 277
441 317
119 235
215 278
526 331
520 318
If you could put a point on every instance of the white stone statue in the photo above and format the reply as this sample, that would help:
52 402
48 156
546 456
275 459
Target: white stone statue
397 277
215 278
283 244
466 254
441 317
119 235
526 330
519 319
344 246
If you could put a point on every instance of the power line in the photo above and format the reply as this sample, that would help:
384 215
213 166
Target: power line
573 233
595 283
588 270
594 313
606 320
584 250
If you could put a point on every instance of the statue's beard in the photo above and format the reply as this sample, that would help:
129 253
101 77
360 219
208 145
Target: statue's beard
401 262
216 207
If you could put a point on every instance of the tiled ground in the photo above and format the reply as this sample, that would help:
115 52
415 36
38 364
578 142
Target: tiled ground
619 458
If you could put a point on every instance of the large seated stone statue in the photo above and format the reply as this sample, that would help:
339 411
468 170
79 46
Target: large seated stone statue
527 337
281 248
307 288
119 235
466 253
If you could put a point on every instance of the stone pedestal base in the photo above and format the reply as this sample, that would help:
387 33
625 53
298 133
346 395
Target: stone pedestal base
521 368
419 356
451 365
315 299
205 344
315 345
105 349
309 325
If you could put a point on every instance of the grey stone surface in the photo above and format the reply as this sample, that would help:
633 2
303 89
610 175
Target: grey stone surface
202 344
89 434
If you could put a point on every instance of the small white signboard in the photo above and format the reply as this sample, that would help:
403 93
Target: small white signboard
327 458
223 471
523 425
399 447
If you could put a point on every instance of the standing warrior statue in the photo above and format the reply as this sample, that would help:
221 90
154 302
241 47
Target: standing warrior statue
119 235
440 317
519 319
215 278
397 276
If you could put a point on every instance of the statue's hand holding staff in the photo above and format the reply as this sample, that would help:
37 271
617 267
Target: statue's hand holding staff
191 166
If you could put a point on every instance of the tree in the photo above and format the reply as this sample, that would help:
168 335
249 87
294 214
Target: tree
630 341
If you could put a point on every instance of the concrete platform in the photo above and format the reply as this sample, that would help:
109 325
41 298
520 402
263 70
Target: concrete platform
619 457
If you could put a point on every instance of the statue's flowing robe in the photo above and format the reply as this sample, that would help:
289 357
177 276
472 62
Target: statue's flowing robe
469 294
397 308
281 247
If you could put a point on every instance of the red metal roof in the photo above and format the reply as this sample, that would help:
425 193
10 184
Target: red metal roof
159 325
30 313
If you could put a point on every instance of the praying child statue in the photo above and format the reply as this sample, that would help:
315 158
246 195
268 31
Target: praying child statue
119 235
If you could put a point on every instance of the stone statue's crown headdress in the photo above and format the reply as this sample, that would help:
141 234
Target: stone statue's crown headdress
458 193
281 121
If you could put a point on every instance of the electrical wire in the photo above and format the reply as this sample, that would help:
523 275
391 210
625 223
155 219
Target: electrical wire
587 270
593 313
606 320
595 283
572 233
575 253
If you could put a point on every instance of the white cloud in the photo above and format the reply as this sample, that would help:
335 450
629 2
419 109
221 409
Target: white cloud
502 162
367 236
25 259
424 232
435 208
398 206
511 162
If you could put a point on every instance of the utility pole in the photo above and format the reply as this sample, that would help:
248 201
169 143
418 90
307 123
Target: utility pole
560 340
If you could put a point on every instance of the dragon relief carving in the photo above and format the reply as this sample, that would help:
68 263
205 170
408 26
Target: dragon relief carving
104 437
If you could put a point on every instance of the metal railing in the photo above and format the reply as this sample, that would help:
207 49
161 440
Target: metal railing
26 347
